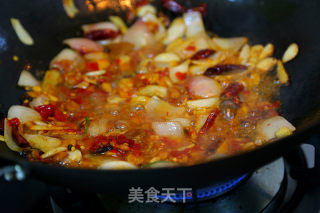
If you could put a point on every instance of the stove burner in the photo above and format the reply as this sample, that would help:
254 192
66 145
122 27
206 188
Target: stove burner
219 189
268 189
208 192
250 193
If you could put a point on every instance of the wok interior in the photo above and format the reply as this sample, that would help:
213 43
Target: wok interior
263 21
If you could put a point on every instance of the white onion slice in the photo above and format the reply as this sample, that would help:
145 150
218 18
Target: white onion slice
96 73
54 151
98 127
44 143
84 45
22 34
24 114
116 165
162 164
202 103
173 129
38 101
154 90
145 9
119 23
66 54
161 30
202 41
40 123
181 68
26 79
106 42
176 30
230 43
139 35
268 128
198 69
159 108
184 122
166 58
204 87
99 26
194 23
9 139
96 56
75 155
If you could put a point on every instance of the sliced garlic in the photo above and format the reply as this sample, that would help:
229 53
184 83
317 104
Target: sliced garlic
21 32
291 52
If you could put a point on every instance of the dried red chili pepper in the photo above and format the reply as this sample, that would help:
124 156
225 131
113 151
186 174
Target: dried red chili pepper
190 48
92 66
174 6
164 72
14 122
146 81
97 35
45 111
118 61
65 90
31 155
2 124
233 89
165 19
223 68
202 54
235 146
215 144
136 149
178 154
202 8
20 140
101 144
170 143
83 92
59 116
130 15
209 122
103 148
121 139
141 3
78 100
116 151
276 104
181 76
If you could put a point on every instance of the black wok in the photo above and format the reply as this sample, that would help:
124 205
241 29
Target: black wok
277 21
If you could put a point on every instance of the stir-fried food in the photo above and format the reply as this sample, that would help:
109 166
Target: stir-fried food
157 93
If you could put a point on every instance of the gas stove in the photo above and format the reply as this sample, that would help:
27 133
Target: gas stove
280 186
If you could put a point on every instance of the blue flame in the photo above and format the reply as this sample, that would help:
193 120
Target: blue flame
208 192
